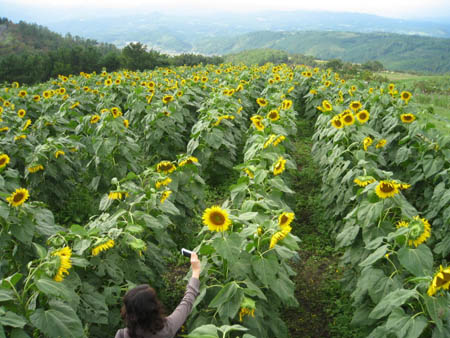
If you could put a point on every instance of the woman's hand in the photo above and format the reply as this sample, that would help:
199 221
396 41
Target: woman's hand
196 266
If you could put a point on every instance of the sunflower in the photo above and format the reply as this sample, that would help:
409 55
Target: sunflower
22 93
20 137
405 96
278 236
355 106
189 160
117 195
441 280
327 105
126 123
4 160
163 182
36 98
117 81
279 166
35 168
248 307
116 112
216 219
165 195
165 166
386 189
257 122
381 143
62 91
337 122
353 88
286 104
363 116
108 82
407 118
95 118
261 101
278 140
4 129
21 113
313 92
76 104
285 219
273 115
269 141
59 153
420 230
363 181
367 142
167 98
102 247
65 264
348 118
18 197
249 173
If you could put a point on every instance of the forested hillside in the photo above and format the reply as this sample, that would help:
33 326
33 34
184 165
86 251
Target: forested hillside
395 51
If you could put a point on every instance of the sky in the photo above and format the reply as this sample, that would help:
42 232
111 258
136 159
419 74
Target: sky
406 9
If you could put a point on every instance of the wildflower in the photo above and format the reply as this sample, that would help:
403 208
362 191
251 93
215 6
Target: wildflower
102 247
386 189
420 230
18 197
65 264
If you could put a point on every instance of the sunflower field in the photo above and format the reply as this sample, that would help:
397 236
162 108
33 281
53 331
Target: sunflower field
103 177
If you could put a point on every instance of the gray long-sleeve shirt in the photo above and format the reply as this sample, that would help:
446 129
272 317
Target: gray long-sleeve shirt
177 317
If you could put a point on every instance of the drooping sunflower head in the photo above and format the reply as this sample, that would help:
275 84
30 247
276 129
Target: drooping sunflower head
165 195
257 122
327 106
58 153
165 166
116 112
216 219
167 98
261 101
4 160
363 181
279 166
407 118
189 160
336 122
363 116
269 141
286 104
381 143
420 231
18 197
95 119
367 142
355 106
441 280
386 189
273 115
285 219
126 123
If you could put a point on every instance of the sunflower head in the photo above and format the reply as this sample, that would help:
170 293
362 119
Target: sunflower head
381 143
286 104
326 105
355 106
386 189
407 118
262 102
285 219
405 96
18 197
4 160
441 280
279 166
165 166
348 118
363 116
273 115
363 181
216 219
367 142
337 122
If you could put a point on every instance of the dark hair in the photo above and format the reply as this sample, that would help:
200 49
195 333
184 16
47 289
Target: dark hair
142 311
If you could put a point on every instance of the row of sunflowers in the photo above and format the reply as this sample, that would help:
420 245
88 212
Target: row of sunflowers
386 181
100 173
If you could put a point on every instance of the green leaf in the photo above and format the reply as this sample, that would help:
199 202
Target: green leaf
253 290
226 293
404 325
13 279
279 184
228 247
40 250
105 203
204 331
265 269
58 289
230 308
391 301
437 309
12 319
19 333
59 321
347 236
6 295
375 256
4 210
284 288
45 222
417 261
247 216
79 230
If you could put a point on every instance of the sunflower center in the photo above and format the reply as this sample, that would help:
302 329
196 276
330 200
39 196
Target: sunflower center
217 218
362 116
348 118
445 278
407 118
18 197
273 115
338 123
2 161
387 188
284 219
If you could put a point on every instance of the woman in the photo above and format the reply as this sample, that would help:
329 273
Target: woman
143 313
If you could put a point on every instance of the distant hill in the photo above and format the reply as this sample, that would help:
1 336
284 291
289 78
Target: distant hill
395 51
